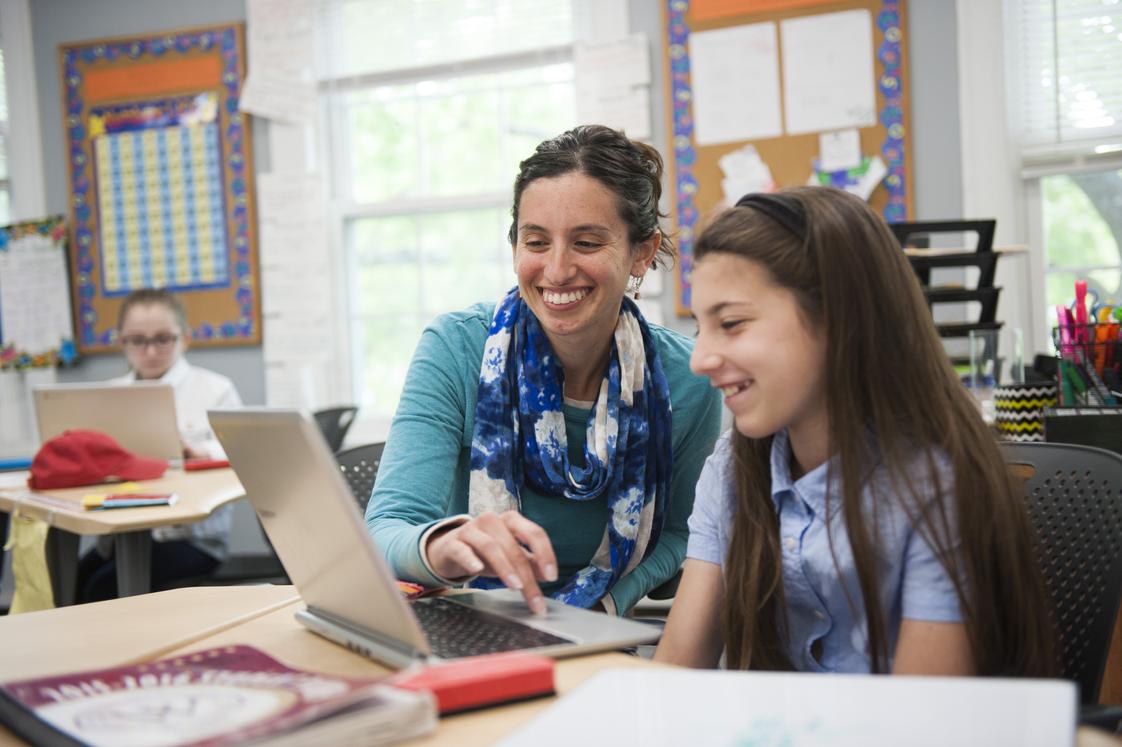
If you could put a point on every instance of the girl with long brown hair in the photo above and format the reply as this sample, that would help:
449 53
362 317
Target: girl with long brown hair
859 518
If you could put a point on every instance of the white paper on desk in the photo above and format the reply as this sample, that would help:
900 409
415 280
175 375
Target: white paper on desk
828 79
838 151
655 707
734 73
35 300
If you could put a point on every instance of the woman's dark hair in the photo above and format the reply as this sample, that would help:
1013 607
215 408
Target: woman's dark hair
630 169
894 403
150 296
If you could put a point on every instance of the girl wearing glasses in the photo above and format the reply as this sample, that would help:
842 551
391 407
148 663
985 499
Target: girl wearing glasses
153 330
152 327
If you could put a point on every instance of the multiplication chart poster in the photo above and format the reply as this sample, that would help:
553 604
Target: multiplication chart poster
161 182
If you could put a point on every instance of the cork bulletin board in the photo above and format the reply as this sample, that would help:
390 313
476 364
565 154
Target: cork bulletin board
161 182
754 121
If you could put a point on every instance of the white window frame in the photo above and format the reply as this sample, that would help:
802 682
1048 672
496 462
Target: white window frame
344 210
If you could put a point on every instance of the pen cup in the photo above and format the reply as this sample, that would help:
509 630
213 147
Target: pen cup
1020 410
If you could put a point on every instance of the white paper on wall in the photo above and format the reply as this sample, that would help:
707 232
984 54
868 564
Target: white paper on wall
281 45
34 295
734 73
828 77
612 83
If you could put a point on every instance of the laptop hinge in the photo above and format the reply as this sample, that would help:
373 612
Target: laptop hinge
381 647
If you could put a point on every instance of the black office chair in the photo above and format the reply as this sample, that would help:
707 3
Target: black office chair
334 423
359 466
1074 496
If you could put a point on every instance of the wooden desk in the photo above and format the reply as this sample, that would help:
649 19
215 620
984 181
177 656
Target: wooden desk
200 494
29 647
139 628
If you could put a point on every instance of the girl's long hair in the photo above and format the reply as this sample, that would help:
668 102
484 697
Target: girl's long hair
894 403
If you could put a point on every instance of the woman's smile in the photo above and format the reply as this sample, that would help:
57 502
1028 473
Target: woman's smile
564 299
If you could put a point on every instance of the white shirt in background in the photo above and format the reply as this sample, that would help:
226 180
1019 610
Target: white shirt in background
196 391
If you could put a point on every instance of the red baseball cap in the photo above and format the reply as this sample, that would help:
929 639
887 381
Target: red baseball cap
88 457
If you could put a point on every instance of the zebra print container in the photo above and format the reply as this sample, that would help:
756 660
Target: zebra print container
1020 410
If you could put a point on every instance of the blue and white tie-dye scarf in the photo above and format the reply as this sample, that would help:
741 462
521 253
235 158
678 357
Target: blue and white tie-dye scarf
519 439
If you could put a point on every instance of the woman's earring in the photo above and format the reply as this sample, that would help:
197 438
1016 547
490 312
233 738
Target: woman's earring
633 284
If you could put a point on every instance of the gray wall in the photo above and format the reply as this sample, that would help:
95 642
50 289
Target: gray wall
936 142
55 22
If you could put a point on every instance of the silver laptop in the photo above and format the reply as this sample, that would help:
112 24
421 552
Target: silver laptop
140 417
313 522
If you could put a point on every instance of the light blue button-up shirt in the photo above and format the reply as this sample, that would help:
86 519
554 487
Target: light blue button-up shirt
914 584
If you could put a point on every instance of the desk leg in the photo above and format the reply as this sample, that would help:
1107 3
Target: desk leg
62 563
134 563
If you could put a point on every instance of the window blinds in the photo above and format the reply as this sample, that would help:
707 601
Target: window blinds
1068 57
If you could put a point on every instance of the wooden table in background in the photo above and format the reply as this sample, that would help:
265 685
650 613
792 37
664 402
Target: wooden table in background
200 494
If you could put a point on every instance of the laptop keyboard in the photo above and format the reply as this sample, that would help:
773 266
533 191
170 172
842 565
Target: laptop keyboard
456 630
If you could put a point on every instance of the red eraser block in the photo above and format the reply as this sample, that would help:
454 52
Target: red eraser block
190 465
482 681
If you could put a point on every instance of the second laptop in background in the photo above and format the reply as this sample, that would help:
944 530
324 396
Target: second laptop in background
140 417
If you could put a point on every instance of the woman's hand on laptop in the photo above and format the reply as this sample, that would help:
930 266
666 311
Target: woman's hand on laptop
507 546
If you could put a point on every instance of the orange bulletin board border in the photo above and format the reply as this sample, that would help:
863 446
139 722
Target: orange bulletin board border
695 171
161 182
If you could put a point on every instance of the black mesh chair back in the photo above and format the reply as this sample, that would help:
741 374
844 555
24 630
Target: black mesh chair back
359 466
334 423
1074 496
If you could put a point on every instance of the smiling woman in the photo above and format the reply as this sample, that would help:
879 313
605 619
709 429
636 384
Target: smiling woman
551 442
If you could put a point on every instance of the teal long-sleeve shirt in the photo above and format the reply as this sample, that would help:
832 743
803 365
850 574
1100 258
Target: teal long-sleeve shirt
424 473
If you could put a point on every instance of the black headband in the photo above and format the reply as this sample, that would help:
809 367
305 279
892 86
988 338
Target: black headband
784 210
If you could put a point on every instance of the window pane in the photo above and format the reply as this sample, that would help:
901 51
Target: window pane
1082 223
383 147
1069 53
382 35
455 136
384 348
405 271
467 258
385 274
